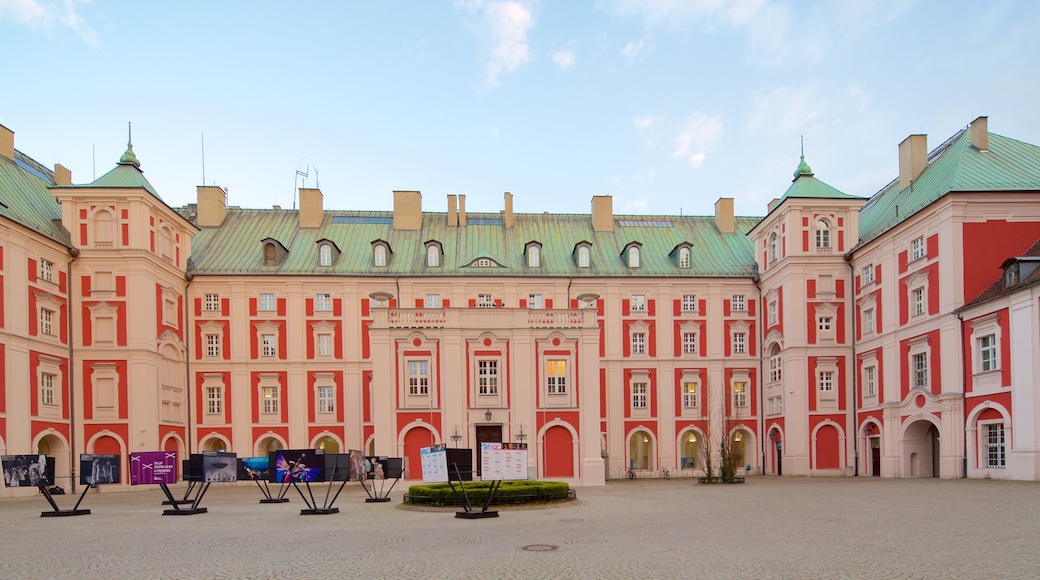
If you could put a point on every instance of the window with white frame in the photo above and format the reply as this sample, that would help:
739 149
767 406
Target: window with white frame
214 401
825 380
46 321
823 234
774 250
917 249
774 310
739 395
775 364
737 303
267 302
780 403
418 377
868 321
270 400
213 345
995 450
583 256
825 324
325 344
432 301
556 377
535 301
638 343
325 255
739 343
487 377
46 270
485 301
47 381
379 255
689 342
987 348
918 298
870 381
689 392
638 303
639 391
534 256
326 399
433 256
772 405
633 257
684 258
868 274
323 302
269 345
378 301
689 303
920 367
212 303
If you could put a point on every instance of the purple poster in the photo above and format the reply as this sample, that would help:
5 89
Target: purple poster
150 467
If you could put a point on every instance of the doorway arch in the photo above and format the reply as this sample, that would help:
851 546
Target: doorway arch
921 444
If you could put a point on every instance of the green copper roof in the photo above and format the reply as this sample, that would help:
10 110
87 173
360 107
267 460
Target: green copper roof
1008 165
126 174
803 167
807 186
235 246
26 199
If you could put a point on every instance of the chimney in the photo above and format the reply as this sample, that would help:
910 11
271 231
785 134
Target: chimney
212 205
311 211
913 158
724 215
462 209
508 222
453 210
772 204
62 175
407 210
6 143
980 133
602 213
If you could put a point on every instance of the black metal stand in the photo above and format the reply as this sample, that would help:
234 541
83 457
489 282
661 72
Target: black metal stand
312 508
272 498
177 510
57 513
467 507
186 500
382 495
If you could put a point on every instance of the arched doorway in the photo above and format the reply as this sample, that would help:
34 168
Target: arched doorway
640 451
327 444
414 440
738 447
828 447
216 444
921 444
559 452
267 445
54 447
690 444
776 453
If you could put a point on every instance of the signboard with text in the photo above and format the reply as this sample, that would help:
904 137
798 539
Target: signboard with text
503 461
153 467
434 464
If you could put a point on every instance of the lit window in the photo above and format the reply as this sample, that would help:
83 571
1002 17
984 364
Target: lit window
535 301
638 343
689 303
47 388
633 257
826 381
868 274
739 395
213 302
739 343
689 343
325 255
487 377
213 345
485 301
920 370
684 258
994 434
823 234
868 321
379 255
825 323
324 344
326 399
46 270
432 301
433 256
418 377
270 344
46 321
988 353
270 400
917 249
323 302
214 401
534 257
583 256
638 303
556 377
267 302
638 395
918 299
870 381
737 303
689 395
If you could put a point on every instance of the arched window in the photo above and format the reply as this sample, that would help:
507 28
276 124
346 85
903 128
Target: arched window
325 255
823 234
104 229
773 249
640 451
433 256
166 243
684 258
534 258
633 257
379 255
270 255
583 257
775 369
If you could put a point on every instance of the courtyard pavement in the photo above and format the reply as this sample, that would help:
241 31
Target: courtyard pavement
768 527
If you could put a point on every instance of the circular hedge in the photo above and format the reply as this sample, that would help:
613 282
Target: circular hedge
508 493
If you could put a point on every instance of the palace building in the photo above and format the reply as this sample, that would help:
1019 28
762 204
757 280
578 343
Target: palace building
892 336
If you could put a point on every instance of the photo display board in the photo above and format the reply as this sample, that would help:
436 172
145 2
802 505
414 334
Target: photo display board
254 469
153 467
299 465
434 461
98 469
27 470
338 467
219 467
503 461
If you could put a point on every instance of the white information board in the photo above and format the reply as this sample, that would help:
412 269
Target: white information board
503 461
434 464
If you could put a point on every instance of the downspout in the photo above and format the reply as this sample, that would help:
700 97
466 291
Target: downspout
854 371
74 252
964 389
188 385
570 280
762 438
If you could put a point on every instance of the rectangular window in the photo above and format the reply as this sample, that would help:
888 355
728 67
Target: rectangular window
775 368
267 302
689 303
556 377
418 377
826 381
269 344
535 301
689 397
995 446
46 270
46 321
47 388
780 404
739 343
270 400
772 405
212 302
988 353
485 301
689 343
868 321
825 323
920 370
737 303
638 395
739 395
917 249
918 298
323 303
774 312
326 399
432 301
868 274
638 343
870 381
638 303
324 344
487 377
214 401
213 345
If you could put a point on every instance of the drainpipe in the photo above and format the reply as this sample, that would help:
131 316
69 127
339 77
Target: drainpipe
74 252
188 385
964 389
853 374
761 380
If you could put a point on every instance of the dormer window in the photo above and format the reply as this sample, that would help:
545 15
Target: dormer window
682 255
632 255
270 254
433 254
583 251
324 255
1011 275
484 263
379 255
534 255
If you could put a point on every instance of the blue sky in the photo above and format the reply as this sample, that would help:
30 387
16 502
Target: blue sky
666 105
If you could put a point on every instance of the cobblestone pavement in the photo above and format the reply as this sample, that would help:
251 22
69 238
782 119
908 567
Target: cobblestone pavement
767 528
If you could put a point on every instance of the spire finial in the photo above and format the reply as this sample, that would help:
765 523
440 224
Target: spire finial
803 167
130 134
129 158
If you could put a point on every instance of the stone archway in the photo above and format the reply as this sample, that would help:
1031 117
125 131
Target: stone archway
921 445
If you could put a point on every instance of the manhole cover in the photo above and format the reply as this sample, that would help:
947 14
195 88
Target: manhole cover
540 548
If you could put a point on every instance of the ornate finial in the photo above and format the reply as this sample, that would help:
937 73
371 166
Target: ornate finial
129 158
803 167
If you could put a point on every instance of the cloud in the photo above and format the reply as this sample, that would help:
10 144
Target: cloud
632 50
642 123
46 15
504 24
787 110
563 58
696 134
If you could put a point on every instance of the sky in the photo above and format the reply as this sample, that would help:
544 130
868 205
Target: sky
665 105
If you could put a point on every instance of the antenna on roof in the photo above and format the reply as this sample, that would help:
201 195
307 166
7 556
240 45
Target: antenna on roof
296 179
317 184
203 158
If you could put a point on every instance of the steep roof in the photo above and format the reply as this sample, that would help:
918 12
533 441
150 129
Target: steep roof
25 199
806 186
126 174
954 166
998 288
235 248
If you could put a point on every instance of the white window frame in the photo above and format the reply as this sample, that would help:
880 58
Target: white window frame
269 400
825 381
640 394
46 270
326 399
638 303
988 357
323 302
994 444
870 381
689 394
918 249
919 370
379 255
418 378
269 345
433 256
214 400
869 324
689 303
432 301
47 390
212 302
774 312
535 301
268 302
485 301
583 256
919 301
823 234
825 324
214 347
633 256
774 251
556 376
47 321
739 342
638 342
776 365
487 377
868 275
740 389
324 344
738 303
684 258
534 256
689 341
